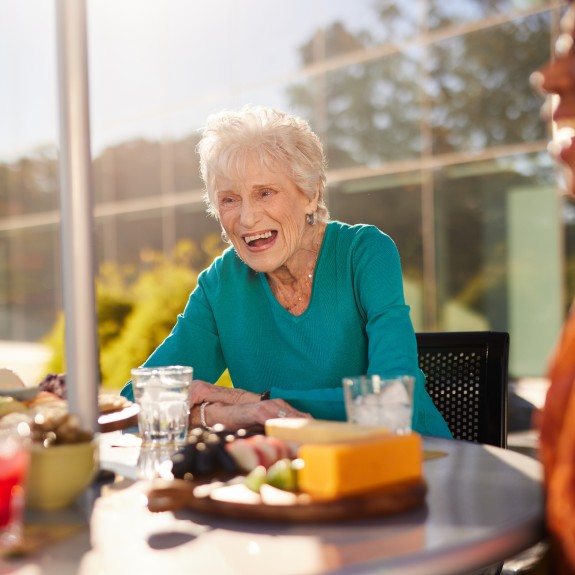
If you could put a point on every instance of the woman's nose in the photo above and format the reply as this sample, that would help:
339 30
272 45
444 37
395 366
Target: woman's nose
249 213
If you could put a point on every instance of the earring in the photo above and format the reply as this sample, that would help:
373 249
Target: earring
224 237
311 218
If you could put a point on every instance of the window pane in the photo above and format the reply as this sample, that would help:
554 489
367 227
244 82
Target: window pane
442 14
366 113
479 86
29 184
30 288
138 234
498 252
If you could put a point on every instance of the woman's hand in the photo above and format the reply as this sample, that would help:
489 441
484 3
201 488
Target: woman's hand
236 408
247 415
204 391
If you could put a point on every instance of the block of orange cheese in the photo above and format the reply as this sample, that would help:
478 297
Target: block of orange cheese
333 470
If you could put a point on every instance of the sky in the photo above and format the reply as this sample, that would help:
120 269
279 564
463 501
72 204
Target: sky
27 74
143 62
156 67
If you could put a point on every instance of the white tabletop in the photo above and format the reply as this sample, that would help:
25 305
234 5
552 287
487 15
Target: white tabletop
484 504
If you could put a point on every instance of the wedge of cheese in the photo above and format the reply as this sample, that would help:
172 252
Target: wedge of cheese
299 430
333 470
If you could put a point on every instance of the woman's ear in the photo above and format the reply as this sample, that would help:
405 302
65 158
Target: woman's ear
314 201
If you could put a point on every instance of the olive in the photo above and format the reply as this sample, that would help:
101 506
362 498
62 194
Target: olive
225 460
183 461
204 463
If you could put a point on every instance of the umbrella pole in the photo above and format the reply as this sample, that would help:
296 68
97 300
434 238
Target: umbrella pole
82 366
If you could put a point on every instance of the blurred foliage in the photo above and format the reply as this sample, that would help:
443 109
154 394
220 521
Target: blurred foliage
136 310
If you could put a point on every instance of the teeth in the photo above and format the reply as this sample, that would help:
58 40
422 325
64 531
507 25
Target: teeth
249 239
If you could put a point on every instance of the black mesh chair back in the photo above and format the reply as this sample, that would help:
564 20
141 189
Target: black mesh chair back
467 374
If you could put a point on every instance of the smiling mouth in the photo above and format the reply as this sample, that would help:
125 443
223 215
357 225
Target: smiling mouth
260 239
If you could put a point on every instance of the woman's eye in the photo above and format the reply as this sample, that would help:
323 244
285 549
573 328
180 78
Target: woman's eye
226 201
266 193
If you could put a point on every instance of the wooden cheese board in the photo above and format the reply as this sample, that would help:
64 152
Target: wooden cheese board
232 499
119 420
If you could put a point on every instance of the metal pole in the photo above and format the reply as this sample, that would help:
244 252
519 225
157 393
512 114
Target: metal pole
82 366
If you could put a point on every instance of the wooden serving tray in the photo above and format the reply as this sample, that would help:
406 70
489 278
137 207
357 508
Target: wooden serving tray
119 420
234 500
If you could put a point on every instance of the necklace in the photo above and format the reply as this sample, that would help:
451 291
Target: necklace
297 300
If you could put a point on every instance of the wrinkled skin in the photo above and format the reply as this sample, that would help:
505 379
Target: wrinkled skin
263 214
236 408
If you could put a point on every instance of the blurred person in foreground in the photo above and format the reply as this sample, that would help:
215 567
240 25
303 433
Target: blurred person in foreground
297 302
557 419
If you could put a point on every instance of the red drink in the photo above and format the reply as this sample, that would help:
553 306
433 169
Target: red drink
14 460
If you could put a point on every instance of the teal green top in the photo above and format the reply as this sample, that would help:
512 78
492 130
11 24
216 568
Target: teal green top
356 323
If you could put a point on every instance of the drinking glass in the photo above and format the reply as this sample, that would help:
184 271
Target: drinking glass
14 463
163 395
380 401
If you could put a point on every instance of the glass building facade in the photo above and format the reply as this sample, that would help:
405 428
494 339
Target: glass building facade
430 126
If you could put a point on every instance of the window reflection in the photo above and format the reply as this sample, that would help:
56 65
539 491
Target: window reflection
30 298
186 172
29 184
443 14
431 130
498 252
368 113
478 85
129 170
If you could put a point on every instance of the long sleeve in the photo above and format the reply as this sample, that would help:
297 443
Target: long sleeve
193 341
392 344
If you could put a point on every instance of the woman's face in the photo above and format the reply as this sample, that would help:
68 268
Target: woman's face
263 214
558 79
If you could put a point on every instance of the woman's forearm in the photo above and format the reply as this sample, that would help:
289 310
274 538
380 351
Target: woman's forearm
203 391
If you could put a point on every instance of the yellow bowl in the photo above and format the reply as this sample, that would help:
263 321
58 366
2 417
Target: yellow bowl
58 474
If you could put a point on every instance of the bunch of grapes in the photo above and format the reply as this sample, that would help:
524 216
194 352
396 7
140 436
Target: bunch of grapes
54 383
205 454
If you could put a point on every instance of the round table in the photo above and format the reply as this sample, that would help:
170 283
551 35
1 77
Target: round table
484 504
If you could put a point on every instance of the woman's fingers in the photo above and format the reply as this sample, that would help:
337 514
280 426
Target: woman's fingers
279 408
248 415
199 390
236 408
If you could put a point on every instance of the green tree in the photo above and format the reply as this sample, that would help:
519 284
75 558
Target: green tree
453 93
136 311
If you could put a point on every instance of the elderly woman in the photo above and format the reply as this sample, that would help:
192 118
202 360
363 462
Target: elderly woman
557 420
298 301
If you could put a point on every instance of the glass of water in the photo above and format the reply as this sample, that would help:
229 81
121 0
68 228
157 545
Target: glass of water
163 395
380 401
